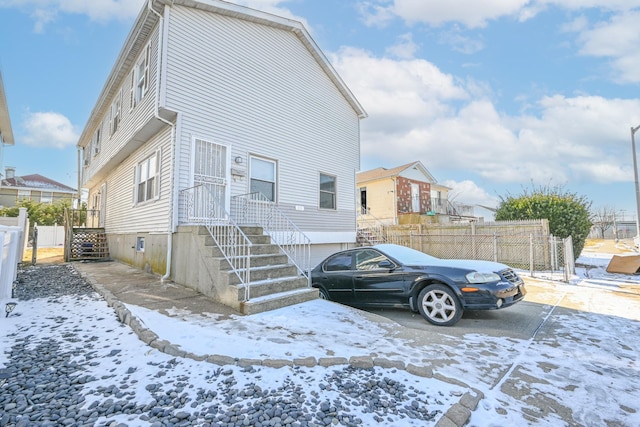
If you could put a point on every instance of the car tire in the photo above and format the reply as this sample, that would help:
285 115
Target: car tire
439 305
324 294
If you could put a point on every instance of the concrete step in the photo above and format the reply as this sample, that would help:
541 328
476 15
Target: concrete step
256 261
279 300
269 272
263 288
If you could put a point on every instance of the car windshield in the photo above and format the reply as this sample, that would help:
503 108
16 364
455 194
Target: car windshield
407 255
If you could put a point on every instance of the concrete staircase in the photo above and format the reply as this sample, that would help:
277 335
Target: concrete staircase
275 283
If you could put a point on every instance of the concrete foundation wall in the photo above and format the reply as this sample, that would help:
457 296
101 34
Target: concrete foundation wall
192 265
152 259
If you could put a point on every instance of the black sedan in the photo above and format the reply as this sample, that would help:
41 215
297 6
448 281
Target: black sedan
440 289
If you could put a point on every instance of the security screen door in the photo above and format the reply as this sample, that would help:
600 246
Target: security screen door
210 180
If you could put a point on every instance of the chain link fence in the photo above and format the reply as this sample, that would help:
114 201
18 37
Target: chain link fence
518 246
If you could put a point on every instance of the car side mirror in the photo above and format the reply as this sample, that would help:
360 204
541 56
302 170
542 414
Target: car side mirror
386 264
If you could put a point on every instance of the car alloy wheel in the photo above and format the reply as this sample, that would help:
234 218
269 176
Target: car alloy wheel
439 305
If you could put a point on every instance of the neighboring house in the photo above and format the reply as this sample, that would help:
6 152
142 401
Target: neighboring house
207 103
401 195
36 188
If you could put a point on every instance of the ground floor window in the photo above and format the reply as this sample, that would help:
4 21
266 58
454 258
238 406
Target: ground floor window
263 177
147 178
327 191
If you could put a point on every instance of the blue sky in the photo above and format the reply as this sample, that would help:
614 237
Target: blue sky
493 97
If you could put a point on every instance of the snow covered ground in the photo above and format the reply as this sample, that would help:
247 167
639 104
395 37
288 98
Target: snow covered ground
580 368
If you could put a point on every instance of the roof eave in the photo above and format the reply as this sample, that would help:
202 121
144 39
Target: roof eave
6 133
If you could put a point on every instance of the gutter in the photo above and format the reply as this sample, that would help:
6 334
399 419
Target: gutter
156 114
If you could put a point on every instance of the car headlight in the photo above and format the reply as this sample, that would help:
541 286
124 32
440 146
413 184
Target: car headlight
479 277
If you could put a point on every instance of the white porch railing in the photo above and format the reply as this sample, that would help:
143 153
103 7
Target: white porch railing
256 209
200 206
371 228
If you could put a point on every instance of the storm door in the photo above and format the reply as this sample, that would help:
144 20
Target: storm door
415 197
209 180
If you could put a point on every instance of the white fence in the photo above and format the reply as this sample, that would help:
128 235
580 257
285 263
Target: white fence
10 238
50 236
13 239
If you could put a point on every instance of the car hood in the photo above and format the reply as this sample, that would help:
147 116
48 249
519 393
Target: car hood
469 264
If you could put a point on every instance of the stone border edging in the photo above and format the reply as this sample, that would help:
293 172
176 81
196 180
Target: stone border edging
456 416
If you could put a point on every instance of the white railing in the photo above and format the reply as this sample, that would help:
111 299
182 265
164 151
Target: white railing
201 206
371 228
257 209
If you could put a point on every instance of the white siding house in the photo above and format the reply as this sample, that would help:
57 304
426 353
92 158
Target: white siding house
210 94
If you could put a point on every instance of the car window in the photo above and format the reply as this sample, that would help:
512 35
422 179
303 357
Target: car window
339 262
369 259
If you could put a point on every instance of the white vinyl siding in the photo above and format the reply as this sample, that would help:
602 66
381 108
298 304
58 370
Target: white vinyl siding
124 216
258 89
131 120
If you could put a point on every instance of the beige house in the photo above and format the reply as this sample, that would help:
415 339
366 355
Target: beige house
402 195
35 187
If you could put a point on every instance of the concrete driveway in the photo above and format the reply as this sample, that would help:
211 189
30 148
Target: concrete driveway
566 355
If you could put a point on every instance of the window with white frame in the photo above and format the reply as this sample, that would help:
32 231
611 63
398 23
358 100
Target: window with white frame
116 113
86 155
96 140
24 195
46 197
263 177
140 78
327 191
147 179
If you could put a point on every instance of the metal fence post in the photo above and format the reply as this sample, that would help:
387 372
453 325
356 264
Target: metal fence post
495 247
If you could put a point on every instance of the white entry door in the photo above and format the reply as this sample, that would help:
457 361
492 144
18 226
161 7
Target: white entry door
209 180
415 197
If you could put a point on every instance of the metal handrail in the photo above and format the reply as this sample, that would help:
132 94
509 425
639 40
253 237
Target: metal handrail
202 206
257 209
372 225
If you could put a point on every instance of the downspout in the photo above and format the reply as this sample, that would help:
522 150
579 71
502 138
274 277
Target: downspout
80 174
157 116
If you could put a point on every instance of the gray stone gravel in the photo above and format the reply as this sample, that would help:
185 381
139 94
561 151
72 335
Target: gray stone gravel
50 383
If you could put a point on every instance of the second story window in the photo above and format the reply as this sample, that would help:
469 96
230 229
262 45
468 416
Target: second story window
116 112
140 78
95 141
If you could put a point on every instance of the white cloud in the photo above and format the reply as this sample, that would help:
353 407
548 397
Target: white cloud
45 12
471 13
50 130
405 48
617 39
417 112
468 192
